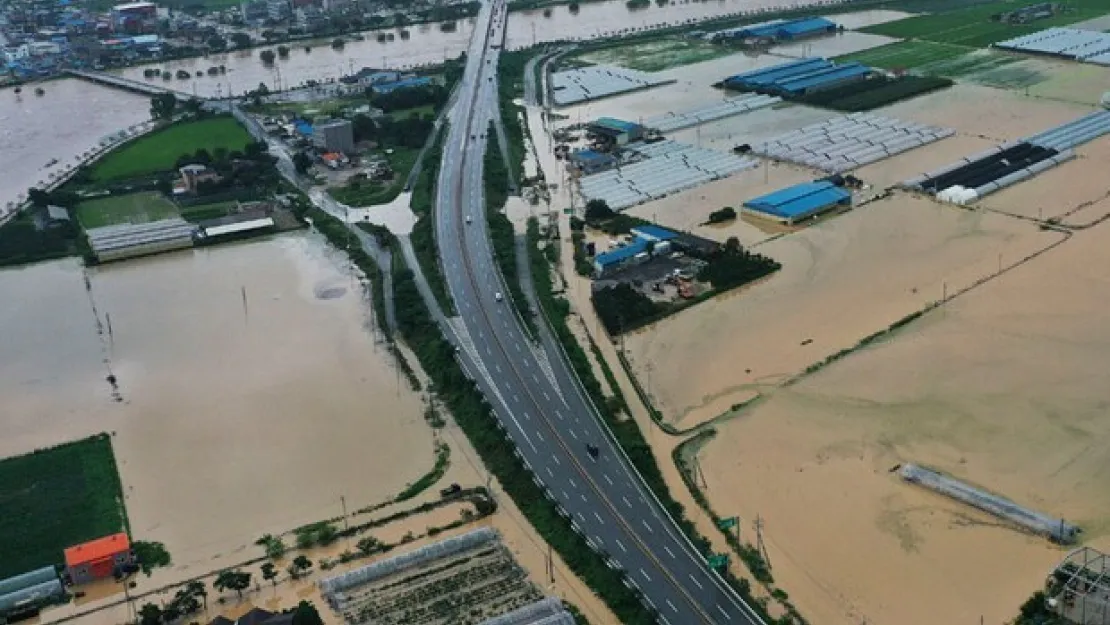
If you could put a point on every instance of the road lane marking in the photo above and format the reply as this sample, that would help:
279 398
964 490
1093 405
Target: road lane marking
722 611
547 398
626 501
644 521
549 471
572 484
606 476
644 573
621 545
556 459
573 434
673 609
696 582
539 436
599 519
669 552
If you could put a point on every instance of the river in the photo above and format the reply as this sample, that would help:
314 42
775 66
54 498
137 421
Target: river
428 44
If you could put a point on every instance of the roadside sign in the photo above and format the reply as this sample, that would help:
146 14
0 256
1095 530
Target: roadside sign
728 523
568 211
718 561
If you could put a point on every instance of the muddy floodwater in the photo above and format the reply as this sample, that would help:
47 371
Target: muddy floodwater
429 44
70 118
252 392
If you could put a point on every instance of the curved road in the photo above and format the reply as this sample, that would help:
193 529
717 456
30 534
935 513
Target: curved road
537 399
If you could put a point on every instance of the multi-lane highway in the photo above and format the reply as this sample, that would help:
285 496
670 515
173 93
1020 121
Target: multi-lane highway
533 390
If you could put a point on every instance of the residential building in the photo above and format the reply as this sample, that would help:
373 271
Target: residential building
335 136
257 616
98 558
279 10
193 175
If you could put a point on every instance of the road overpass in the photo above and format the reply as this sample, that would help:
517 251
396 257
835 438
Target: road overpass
535 393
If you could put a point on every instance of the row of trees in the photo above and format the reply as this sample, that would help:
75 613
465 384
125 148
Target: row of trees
409 132
401 99
189 599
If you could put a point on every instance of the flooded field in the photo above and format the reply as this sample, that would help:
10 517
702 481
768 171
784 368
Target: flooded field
35 130
253 392
967 389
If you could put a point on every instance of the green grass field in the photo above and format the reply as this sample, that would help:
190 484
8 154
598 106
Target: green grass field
657 55
134 208
58 497
160 150
973 27
985 67
366 193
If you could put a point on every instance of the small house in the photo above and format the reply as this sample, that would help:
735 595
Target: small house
98 558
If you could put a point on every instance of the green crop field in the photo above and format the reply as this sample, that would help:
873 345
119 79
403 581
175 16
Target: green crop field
57 497
159 151
133 208
657 55
974 28
907 54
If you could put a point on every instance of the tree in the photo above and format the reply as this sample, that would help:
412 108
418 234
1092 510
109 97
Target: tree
368 545
283 51
269 573
306 614
196 589
300 565
727 213
242 40
573 6
38 197
597 210
232 580
216 42
326 535
301 162
162 106
267 56
150 614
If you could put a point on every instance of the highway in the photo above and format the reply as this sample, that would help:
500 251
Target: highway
533 390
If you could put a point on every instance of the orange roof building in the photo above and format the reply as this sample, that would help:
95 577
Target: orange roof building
98 558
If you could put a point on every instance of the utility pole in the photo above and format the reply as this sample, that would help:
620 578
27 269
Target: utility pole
550 566
760 546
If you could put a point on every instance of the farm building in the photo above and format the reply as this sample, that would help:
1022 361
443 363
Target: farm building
647 241
799 78
793 204
616 131
590 161
98 558
130 240
25 594
779 30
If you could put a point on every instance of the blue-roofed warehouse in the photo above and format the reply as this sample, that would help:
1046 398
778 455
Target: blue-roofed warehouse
793 204
404 83
616 131
636 252
590 161
782 30
799 78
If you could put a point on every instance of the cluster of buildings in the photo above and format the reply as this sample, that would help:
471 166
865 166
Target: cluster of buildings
40 38
24 595
383 81
775 31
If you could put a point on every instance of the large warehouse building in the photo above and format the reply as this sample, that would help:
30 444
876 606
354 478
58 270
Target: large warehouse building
779 30
794 204
616 131
799 78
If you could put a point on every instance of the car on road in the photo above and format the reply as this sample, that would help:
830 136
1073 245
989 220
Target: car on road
468 220
497 296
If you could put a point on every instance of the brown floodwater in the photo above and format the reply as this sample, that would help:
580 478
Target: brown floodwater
428 44
70 118
252 392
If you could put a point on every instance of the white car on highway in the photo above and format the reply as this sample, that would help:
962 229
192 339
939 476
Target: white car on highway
497 296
